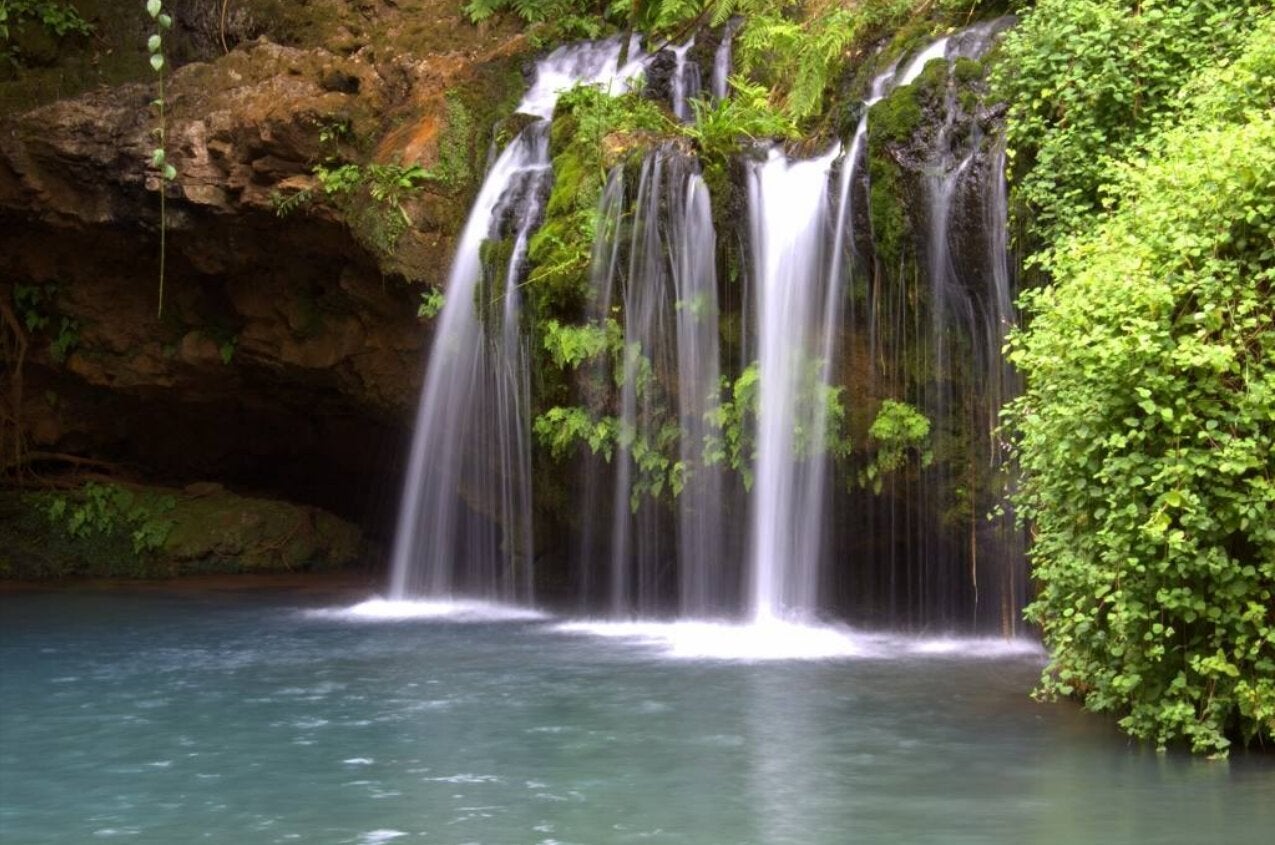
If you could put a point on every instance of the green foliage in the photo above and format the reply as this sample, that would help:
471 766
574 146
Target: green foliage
553 19
796 49
898 433
720 127
67 338
338 180
799 49
1088 81
734 419
656 471
560 429
432 301
58 18
107 510
572 345
34 304
591 131
390 183
1147 435
369 196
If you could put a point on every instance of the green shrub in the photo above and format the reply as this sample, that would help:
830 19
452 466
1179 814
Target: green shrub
1147 434
1088 82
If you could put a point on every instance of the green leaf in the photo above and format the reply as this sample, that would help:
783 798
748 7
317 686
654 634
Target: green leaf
154 43
153 7
157 61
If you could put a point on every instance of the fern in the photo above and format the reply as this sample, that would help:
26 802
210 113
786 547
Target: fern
480 10
722 11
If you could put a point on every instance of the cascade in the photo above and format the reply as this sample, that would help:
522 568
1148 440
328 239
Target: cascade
788 218
701 505
654 268
593 542
720 80
686 81
464 521
933 336
813 317
969 317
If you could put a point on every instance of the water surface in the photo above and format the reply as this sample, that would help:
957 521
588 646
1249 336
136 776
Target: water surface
162 718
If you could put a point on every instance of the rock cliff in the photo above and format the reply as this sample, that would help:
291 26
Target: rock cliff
289 350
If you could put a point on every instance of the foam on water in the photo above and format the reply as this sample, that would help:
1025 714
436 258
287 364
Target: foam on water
375 837
458 610
777 639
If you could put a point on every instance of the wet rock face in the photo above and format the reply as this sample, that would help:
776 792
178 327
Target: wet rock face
659 76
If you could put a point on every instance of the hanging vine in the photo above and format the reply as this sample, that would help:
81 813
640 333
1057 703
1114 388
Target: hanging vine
159 156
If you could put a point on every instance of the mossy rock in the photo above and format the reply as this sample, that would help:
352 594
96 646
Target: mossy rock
151 532
891 225
896 118
966 70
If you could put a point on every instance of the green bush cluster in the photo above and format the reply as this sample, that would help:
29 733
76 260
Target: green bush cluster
1088 84
1146 436
897 434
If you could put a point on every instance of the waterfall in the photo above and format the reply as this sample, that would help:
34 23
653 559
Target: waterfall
464 522
933 332
722 59
652 268
686 81
788 215
594 542
638 539
701 534
807 315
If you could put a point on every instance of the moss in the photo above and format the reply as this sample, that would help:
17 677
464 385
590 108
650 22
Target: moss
477 111
573 180
223 532
590 133
907 39
966 70
65 67
489 293
455 166
932 82
890 223
895 118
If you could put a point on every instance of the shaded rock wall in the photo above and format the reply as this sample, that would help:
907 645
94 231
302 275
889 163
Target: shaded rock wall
289 352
